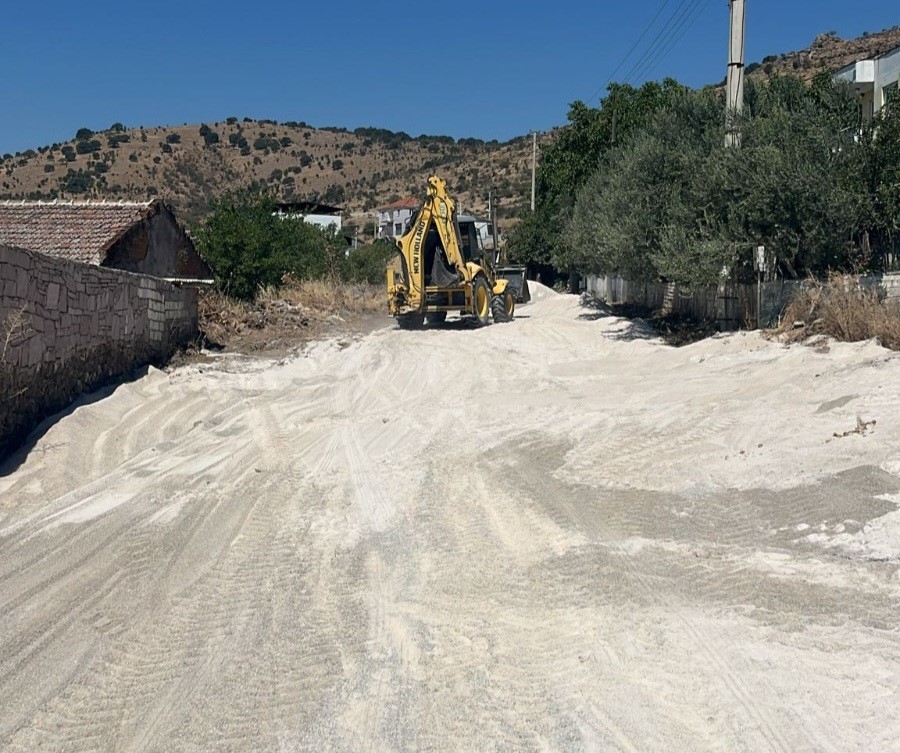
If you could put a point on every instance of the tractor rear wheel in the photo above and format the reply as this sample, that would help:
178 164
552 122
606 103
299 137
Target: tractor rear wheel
481 300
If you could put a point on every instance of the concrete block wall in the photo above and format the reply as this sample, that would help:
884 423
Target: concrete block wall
66 328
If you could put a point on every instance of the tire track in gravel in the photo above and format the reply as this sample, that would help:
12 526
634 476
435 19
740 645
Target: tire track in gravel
607 525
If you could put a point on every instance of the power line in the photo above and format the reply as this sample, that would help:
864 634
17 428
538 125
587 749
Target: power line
654 43
675 36
640 39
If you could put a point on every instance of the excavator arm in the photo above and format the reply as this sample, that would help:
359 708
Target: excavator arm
438 211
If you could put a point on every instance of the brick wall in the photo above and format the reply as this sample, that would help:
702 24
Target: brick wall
66 328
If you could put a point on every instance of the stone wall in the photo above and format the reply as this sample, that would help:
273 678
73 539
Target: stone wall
66 328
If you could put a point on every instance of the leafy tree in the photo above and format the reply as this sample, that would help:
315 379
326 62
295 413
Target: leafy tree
249 246
878 179
573 154
82 134
88 147
266 142
675 203
76 181
369 263
173 138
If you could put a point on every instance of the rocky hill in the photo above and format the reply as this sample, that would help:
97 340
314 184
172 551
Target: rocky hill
828 53
190 165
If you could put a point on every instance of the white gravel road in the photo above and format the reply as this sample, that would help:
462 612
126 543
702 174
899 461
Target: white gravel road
553 535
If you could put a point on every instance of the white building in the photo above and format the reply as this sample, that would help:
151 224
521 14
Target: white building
313 213
875 80
392 218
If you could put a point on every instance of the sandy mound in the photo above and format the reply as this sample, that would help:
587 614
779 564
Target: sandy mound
539 291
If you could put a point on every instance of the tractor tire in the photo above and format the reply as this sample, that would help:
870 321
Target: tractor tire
410 321
436 317
503 307
481 300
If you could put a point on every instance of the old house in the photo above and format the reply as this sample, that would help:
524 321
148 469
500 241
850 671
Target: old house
392 218
142 237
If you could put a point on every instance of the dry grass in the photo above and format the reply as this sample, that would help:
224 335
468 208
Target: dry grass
841 308
14 328
280 316
323 297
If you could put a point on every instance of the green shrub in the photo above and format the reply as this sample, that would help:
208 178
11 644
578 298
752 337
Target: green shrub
76 181
88 147
266 142
249 246
368 263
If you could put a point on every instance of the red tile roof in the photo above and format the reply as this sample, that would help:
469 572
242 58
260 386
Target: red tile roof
77 230
409 203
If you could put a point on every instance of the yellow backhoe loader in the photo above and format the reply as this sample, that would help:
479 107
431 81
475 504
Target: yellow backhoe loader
442 268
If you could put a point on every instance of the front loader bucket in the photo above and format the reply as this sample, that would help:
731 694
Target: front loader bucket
518 282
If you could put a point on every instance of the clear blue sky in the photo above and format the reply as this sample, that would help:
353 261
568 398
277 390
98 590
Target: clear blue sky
485 69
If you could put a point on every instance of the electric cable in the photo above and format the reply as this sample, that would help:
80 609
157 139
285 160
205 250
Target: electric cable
675 37
640 39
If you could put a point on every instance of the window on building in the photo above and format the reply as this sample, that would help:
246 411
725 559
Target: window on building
398 228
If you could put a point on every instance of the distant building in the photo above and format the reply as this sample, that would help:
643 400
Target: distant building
313 213
142 237
875 81
392 218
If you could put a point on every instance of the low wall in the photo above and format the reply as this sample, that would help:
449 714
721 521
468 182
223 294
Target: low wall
732 306
66 328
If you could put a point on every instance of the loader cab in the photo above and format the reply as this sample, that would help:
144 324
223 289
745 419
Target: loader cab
470 243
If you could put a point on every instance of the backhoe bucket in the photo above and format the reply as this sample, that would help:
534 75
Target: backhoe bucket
518 282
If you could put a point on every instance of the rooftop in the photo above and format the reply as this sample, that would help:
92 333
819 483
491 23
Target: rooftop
410 202
76 230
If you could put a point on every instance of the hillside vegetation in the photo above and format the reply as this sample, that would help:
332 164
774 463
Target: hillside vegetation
191 165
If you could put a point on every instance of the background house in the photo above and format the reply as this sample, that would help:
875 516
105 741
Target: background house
142 237
875 80
392 218
312 212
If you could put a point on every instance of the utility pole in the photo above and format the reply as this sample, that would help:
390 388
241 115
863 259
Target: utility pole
533 164
735 80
